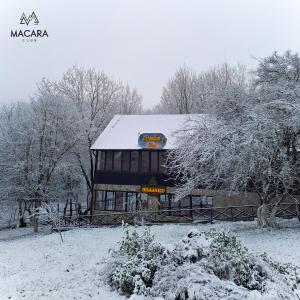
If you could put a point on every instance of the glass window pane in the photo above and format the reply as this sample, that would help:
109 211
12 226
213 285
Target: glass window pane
125 163
120 201
134 167
100 200
196 200
131 201
164 201
101 159
154 161
117 160
109 161
110 200
207 201
145 161
185 202
142 201
163 198
173 203
144 197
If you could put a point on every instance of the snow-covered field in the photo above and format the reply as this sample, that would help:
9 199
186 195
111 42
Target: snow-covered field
40 267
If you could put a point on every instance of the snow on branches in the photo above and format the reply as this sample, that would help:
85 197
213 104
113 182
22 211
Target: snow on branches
251 143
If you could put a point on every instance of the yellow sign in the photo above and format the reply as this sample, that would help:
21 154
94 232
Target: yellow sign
152 138
153 189
152 141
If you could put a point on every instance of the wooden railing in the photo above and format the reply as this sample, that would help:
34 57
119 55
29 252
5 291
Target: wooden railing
231 213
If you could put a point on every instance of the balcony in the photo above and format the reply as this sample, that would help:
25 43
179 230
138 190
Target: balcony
129 178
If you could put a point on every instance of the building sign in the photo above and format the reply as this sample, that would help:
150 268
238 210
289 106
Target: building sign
154 141
157 190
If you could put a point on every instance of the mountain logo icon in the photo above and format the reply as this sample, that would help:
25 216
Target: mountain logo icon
31 18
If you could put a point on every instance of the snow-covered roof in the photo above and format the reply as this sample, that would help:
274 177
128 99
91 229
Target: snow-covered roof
123 131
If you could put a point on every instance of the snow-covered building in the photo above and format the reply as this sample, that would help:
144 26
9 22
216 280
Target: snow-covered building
130 171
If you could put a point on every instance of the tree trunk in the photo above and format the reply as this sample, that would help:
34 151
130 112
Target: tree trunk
266 215
22 222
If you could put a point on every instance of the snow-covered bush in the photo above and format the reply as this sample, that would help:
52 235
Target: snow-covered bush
136 262
203 265
230 260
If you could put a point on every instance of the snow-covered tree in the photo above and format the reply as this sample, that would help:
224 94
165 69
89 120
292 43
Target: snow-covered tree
186 92
250 142
35 137
180 94
129 101
95 97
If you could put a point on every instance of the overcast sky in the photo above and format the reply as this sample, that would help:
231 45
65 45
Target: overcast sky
141 42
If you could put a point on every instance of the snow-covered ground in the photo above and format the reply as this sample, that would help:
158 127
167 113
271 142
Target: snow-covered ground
40 267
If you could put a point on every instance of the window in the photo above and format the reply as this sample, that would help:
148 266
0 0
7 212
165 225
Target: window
207 201
145 161
117 160
154 161
110 201
131 201
109 161
120 201
143 201
107 200
134 163
196 200
101 159
100 200
164 201
173 204
125 161
202 201
185 202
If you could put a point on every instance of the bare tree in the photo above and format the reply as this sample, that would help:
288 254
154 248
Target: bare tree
188 92
180 94
129 102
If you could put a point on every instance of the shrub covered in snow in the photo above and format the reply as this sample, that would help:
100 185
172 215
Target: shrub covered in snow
136 262
204 265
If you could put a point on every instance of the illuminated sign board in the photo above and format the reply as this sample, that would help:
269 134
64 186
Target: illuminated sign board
153 190
154 141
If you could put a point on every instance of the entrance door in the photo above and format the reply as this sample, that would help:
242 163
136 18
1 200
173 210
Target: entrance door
131 201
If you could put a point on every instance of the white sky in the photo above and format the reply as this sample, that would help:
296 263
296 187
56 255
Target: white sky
141 42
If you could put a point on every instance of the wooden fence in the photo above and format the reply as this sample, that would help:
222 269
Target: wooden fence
195 215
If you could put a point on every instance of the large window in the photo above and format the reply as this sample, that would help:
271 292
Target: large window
119 201
167 201
109 160
117 160
131 201
110 201
154 161
100 200
202 201
101 160
125 161
134 161
145 161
